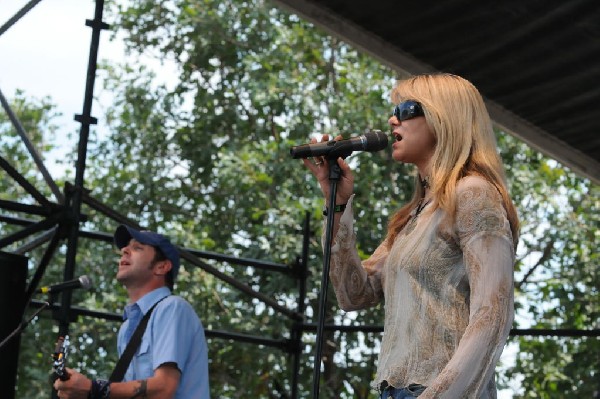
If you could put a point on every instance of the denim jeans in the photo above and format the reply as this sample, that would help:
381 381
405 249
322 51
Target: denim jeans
411 391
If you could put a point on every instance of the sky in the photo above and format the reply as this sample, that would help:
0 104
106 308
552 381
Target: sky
46 54
42 53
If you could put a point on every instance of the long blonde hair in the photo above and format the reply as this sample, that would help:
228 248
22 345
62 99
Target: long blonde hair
465 143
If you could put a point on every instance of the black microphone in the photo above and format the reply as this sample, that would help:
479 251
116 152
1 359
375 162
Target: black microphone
374 140
81 282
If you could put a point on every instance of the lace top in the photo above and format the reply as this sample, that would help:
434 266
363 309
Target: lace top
448 292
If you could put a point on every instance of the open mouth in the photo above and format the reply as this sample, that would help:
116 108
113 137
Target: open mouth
397 136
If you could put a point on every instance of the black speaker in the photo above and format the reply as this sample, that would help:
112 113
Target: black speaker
13 273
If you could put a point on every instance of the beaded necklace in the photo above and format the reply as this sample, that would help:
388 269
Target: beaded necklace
412 222
421 206
424 185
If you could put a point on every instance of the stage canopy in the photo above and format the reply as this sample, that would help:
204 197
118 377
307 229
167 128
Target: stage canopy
536 61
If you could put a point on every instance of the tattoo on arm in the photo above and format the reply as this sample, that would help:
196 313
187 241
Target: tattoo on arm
141 391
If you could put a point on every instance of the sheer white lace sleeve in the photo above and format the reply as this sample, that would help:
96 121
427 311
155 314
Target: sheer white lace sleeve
485 238
356 286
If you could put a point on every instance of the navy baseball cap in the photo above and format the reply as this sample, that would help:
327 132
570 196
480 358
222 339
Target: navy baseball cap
124 234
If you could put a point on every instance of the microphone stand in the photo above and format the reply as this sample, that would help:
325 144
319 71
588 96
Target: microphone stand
334 176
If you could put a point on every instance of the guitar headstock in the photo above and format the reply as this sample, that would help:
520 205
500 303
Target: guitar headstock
60 357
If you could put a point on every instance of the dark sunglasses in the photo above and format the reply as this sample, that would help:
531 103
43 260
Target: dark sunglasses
408 110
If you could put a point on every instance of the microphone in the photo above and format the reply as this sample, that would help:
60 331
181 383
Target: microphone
81 282
372 141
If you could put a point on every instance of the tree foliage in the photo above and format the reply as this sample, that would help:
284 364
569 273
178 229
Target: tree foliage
556 277
204 157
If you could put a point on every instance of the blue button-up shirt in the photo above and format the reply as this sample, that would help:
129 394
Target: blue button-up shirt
174 335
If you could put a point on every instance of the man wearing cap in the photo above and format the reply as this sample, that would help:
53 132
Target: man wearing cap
172 359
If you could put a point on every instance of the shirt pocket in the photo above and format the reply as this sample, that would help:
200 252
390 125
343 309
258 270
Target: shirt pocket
143 361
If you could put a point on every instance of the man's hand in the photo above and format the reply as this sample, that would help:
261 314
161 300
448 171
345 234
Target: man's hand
76 387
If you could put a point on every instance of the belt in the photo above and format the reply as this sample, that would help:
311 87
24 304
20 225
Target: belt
384 385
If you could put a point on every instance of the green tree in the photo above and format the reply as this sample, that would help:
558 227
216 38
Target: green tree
206 160
557 278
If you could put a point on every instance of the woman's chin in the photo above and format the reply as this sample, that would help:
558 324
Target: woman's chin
398 156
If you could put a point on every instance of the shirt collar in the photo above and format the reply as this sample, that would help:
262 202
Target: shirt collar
148 300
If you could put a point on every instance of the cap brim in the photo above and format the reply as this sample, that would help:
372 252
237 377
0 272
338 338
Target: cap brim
123 235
